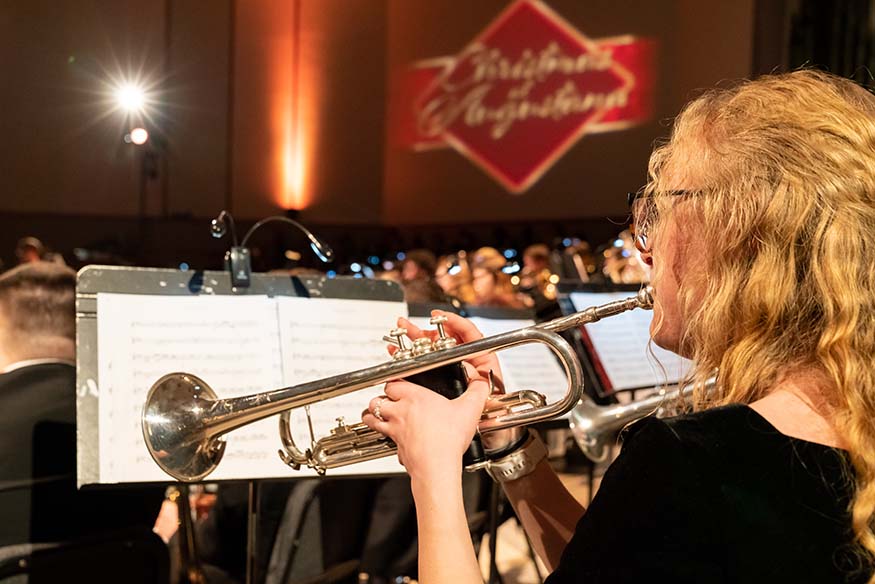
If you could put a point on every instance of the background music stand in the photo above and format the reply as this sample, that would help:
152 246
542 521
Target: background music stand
594 384
166 282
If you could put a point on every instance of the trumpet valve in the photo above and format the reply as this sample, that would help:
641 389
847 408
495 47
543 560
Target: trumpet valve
443 341
341 429
439 322
422 346
447 343
399 335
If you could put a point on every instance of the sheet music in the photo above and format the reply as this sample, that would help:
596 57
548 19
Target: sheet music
239 345
322 337
531 366
232 343
622 344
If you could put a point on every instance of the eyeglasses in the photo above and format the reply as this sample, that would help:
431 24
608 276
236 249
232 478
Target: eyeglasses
639 227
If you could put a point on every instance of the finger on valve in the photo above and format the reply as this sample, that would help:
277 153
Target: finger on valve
461 328
464 331
414 332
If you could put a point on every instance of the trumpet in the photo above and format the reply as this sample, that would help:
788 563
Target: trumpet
184 421
595 428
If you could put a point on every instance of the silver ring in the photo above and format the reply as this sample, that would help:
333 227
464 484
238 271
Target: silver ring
377 408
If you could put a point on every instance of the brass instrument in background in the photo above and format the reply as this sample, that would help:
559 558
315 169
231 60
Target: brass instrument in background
595 428
183 420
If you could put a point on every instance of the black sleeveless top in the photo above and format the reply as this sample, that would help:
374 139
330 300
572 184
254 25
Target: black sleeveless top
716 496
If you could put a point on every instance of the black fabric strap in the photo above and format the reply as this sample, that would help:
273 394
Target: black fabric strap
513 446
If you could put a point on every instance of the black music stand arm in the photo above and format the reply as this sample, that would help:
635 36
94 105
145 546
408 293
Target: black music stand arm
252 533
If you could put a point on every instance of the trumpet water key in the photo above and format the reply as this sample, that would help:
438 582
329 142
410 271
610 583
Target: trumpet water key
184 421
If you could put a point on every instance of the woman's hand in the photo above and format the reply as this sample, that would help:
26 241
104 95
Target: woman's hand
464 331
432 432
478 368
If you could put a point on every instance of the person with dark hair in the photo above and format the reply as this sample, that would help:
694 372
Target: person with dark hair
757 221
37 315
536 280
418 277
418 264
29 249
39 501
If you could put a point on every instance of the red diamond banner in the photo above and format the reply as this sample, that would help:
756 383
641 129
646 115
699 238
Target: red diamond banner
524 92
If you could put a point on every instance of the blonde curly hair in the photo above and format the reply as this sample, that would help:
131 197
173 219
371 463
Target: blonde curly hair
784 172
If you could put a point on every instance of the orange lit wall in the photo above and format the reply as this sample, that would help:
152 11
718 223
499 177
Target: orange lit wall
341 108
308 108
263 84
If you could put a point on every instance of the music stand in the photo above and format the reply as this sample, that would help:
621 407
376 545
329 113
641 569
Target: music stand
94 280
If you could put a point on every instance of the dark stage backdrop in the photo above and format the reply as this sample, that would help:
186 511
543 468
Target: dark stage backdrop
697 44
264 105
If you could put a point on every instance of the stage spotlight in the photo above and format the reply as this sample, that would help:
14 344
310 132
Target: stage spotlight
130 97
139 136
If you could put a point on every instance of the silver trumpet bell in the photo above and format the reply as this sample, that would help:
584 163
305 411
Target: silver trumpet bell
184 421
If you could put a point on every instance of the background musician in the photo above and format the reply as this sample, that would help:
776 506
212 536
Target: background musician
757 222
492 287
535 273
39 501
418 277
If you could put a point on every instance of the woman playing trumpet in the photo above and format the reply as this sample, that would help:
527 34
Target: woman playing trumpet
758 222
